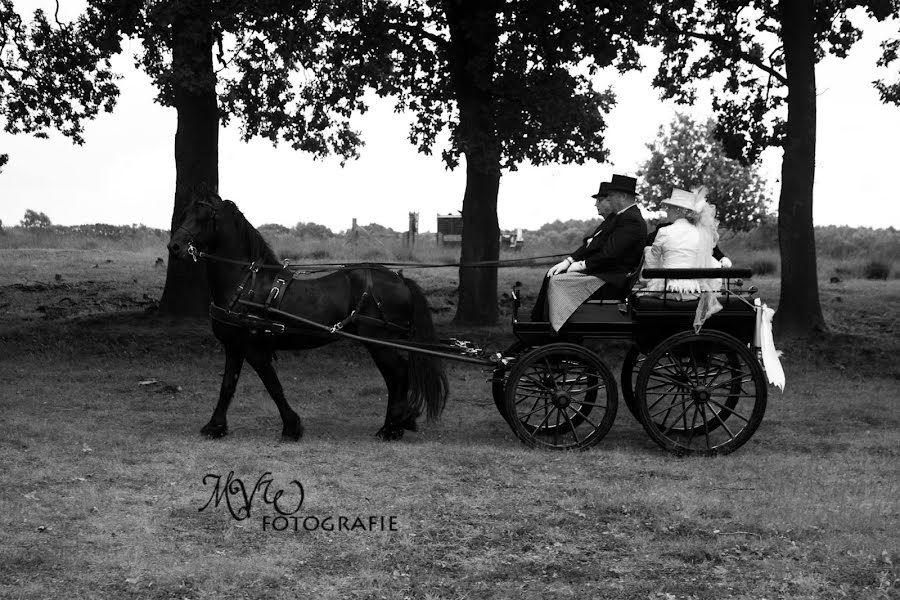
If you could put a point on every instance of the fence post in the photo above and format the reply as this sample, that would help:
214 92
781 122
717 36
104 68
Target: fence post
354 233
413 230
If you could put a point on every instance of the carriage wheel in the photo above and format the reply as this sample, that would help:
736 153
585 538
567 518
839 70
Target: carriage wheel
630 367
561 397
499 391
701 394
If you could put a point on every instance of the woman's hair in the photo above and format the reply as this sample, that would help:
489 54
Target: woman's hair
685 213
692 217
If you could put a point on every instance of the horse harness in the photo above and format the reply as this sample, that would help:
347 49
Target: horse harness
278 291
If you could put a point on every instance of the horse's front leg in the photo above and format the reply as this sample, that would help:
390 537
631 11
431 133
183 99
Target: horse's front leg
218 426
261 361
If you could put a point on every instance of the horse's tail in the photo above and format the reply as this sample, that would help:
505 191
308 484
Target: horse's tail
427 380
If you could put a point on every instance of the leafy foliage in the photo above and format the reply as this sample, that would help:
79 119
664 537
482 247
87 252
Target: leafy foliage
523 67
889 92
742 41
35 220
4 158
51 75
687 155
313 231
280 73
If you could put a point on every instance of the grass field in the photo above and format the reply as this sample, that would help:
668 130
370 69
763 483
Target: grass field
102 466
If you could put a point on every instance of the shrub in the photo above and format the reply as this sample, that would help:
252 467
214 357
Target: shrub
313 231
318 254
34 219
764 266
273 228
876 269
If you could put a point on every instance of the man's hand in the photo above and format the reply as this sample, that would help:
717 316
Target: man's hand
577 267
559 267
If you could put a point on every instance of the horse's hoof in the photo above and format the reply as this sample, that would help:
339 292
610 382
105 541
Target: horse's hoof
410 424
211 430
292 433
389 435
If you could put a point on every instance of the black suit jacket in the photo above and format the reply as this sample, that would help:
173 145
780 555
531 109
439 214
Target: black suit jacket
615 248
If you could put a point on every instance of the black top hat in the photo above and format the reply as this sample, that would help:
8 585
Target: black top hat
619 183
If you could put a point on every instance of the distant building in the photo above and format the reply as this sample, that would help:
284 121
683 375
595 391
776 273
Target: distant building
450 228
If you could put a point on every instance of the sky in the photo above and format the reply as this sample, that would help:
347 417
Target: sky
125 172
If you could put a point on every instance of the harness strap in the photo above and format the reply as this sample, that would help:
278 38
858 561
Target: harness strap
251 275
279 287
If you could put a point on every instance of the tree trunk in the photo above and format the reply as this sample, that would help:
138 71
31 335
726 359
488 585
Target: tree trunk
799 311
474 36
186 292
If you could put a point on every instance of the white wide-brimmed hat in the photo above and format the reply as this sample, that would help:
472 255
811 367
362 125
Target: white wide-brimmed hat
682 198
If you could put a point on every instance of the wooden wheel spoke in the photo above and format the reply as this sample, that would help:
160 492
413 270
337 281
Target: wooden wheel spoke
731 411
546 406
670 407
530 378
705 425
718 417
670 379
682 416
740 378
584 416
572 426
694 364
679 366
669 393
588 389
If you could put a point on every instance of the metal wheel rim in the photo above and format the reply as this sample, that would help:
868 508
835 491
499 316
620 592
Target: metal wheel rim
561 397
701 394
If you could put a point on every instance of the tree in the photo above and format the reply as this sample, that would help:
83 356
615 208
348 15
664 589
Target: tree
510 81
688 155
4 158
250 50
35 220
767 52
889 92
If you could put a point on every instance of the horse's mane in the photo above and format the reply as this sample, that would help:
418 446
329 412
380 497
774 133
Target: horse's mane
259 249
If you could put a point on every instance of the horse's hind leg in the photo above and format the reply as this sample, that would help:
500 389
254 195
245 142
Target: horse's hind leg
393 368
261 361
218 426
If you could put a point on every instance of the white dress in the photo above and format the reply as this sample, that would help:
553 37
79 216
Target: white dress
678 246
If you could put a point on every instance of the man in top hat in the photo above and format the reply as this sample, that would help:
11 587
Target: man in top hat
612 251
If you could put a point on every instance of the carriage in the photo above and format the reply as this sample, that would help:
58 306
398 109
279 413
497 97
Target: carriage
694 392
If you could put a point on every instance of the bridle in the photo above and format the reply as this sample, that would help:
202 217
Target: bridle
192 250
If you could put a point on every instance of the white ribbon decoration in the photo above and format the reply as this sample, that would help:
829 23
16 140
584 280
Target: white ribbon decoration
766 343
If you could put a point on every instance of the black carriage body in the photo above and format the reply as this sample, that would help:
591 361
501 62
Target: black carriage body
694 393
648 318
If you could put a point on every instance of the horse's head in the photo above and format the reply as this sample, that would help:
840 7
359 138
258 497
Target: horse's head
198 225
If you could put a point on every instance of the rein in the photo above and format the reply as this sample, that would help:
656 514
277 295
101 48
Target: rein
198 254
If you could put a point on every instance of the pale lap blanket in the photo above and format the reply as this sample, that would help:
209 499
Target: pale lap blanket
566 292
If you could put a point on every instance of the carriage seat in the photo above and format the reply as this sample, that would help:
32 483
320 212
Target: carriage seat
656 302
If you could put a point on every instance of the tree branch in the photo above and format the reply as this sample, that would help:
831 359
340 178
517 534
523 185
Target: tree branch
725 44
419 31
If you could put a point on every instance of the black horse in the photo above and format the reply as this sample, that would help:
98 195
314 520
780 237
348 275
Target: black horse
383 305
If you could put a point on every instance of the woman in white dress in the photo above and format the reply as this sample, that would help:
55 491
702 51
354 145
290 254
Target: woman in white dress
687 244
